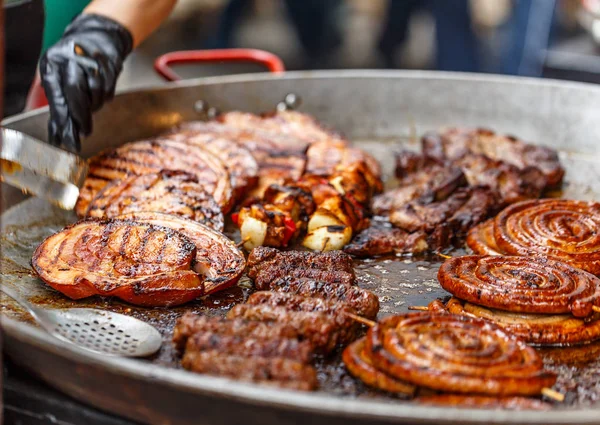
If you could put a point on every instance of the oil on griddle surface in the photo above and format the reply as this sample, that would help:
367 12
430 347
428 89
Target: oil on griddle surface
398 281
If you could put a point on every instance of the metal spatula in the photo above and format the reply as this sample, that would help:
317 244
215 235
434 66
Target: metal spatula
40 169
95 330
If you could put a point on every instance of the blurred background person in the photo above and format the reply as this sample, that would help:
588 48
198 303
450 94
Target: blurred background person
529 30
456 43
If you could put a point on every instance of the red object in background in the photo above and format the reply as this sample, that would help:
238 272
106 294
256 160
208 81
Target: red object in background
37 97
163 63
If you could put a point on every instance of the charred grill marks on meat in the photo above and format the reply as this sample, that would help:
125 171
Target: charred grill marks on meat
297 318
461 178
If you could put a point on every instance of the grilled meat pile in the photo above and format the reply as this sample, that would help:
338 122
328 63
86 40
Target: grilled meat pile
448 353
199 171
150 259
301 309
460 178
288 173
564 230
542 301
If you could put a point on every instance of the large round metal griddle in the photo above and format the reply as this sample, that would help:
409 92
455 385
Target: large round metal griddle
381 111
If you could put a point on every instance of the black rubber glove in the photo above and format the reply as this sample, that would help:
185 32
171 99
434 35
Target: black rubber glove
79 74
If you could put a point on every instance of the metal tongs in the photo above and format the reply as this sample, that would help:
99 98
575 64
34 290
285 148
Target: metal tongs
40 169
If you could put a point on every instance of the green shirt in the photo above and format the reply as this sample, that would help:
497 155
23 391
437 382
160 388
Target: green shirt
59 14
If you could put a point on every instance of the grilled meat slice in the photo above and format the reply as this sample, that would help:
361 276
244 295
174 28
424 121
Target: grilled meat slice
459 211
289 348
278 157
191 323
455 143
242 167
268 264
512 183
481 204
286 123
151 156
218 259
422 214
140 263
320 329
382 238
364 302
432 182
171 192
277 371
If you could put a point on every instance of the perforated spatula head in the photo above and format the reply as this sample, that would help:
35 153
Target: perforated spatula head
95 330
102 331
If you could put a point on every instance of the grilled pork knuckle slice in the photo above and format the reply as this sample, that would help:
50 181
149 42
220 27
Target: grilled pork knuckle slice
140 263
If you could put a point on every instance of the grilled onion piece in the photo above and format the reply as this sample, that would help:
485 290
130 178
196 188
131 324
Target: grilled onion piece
521 284
171 192
360 366
140 263
564 230
218 259
539 329
457 354
151 156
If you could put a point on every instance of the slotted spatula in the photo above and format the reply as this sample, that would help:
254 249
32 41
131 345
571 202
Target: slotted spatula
95 330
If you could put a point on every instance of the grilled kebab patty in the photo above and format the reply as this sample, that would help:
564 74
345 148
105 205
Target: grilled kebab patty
269 264
364 302
278 371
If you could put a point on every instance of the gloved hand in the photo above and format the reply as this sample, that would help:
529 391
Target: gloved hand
79 74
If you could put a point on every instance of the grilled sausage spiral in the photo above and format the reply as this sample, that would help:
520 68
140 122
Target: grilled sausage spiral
565 230
359 364
456 354
538 329
521 284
